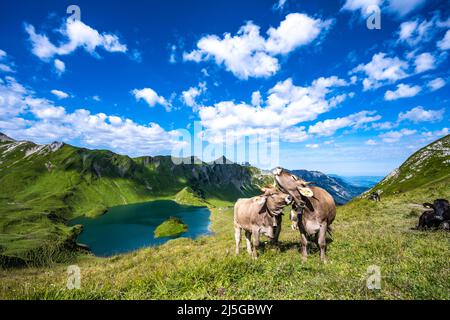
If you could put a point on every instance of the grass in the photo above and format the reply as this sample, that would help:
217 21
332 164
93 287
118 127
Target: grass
414 264
171 227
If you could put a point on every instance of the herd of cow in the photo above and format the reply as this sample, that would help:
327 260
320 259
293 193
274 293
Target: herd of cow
312 213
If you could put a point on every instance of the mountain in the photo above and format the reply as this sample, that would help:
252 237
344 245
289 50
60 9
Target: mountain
427 166
44 186
359 181
341 191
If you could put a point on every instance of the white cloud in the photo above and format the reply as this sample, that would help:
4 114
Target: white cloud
52 122
312 146
424 62
60 94
5 68
294 134
436 84
444 44
330 126
419 114
433 135
77 35
415 32
256 98
394 136
96 98
403 91
248 54
360 5
151 97
399 8
371 142
382 70
403 7
280 4
286 106
60 66
387 125
189 96
172 58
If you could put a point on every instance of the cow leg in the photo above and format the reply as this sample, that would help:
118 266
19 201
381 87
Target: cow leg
255 245
323 242
277 230
303 242
237 237
248 241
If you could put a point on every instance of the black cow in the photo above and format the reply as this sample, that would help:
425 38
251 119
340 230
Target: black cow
438 215
375 196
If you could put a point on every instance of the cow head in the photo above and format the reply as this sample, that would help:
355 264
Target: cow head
293 185
276 200
441 208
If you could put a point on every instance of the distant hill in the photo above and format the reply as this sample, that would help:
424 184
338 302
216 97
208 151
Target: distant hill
341 191
428 165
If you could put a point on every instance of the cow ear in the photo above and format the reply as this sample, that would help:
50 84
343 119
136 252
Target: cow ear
294 177
307 192
428 205
261 200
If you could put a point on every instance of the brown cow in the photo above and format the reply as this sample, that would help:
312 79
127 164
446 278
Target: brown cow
313 212
258 215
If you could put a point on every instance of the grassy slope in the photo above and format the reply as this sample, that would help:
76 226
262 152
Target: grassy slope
424 167
413 264
40 192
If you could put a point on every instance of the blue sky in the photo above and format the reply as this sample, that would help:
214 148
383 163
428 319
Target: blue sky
133 76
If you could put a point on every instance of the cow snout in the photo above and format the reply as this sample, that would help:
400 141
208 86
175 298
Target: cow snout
288 200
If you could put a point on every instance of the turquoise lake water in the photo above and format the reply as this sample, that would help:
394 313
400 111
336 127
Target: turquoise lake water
130 227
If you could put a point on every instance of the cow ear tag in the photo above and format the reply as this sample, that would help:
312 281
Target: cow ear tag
307 192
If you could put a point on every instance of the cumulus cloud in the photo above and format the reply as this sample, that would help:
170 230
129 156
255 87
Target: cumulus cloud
189 97
394 136
433 135
415 32
256 98
76 35
398 8
424 62
436 84
4 66
382 70
312 146
279 5
46 122
371 142
151 97
419 114
59 66
444 44
356 120
286 106
248 54
403 7
403 91
60 94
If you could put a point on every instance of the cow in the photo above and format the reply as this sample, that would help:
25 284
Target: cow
313 211
375 196
259 215
437 215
